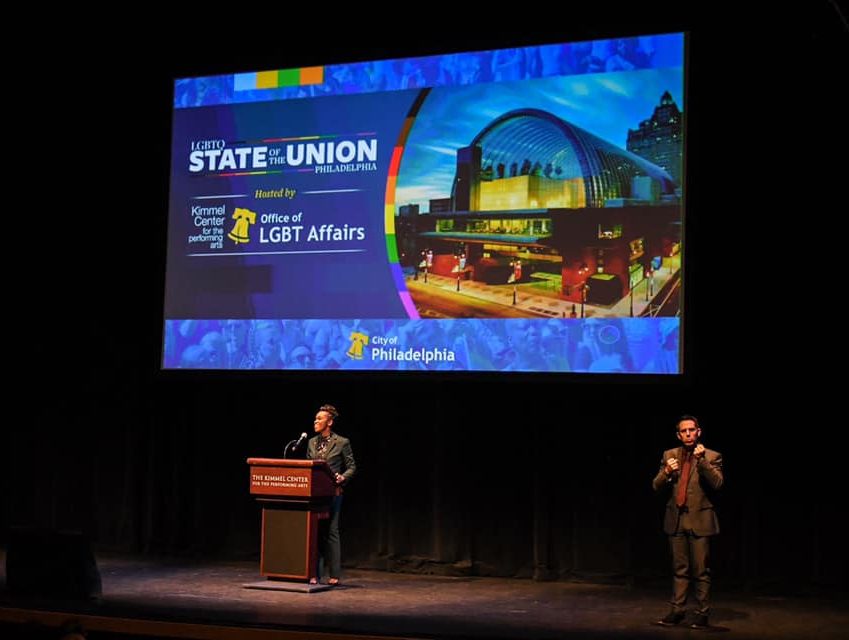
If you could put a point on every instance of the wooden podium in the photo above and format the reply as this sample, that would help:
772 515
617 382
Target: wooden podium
294 496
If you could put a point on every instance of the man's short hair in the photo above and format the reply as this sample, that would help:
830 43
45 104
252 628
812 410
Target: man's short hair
329 408
686 417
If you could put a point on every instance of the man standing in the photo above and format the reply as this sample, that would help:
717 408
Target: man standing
336 451
690 473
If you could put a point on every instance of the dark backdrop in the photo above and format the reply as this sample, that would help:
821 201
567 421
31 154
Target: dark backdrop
518 476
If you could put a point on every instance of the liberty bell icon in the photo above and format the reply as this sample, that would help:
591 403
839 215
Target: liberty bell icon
244 219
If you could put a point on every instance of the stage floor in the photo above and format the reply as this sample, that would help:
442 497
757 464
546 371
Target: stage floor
207 600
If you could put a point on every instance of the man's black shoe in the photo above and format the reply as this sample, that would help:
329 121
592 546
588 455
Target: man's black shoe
672 618
701 622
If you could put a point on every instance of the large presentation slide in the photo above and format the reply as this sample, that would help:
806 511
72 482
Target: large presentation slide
509 210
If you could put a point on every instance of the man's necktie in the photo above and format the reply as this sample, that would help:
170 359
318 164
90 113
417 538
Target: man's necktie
684 480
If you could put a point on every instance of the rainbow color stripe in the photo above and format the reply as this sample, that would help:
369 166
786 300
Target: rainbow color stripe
390 205
280 78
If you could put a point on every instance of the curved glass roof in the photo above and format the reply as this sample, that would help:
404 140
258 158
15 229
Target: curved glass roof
533 141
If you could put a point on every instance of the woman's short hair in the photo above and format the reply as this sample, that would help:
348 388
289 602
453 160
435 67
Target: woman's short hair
329 408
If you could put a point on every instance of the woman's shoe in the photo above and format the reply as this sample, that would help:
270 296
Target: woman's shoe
313 580
334 582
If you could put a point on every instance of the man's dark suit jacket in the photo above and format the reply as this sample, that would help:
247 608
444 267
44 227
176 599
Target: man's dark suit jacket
705 477
339 455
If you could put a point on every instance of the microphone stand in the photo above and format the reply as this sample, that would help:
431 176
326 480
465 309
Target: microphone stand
286 448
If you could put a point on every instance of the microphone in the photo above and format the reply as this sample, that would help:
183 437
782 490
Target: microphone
294 444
